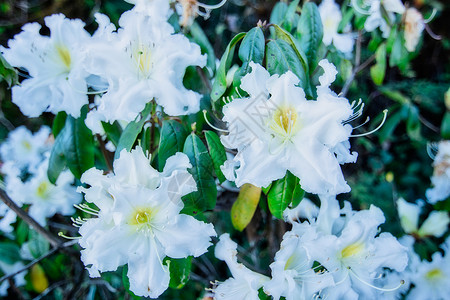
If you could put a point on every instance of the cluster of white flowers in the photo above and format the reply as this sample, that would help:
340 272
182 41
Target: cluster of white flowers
141 61
336 254
138 220
25 163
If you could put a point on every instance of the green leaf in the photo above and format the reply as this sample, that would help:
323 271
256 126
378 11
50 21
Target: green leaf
220 82
310 32
9 253
291 16
282 34
58 123
251 49
278 14
200 38
245 206
202 171
378 71
282 193
173 135
131 132
217 152
37 244
281 57
445 126
113 132
7 72
413 126
73 148
180 270
22 232
399 54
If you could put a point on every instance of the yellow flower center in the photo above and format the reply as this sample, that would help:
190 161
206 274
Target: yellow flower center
42 189
142 59
64 55
351 250
26 145
141 217
285 122
434 274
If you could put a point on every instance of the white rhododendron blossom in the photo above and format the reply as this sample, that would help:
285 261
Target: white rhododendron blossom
374 10
435 225
277 129
155 9
244 284
143 60
305 210
19 279
23 150
431 279
441 176
331 16
55 64
293 275
414 25
45 198
139 221
348 247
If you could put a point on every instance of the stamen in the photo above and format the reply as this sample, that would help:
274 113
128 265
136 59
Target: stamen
376 129
432 34
432 149
210 7
365 122
431 17
358 8
68 237
211 125
376 287
87 209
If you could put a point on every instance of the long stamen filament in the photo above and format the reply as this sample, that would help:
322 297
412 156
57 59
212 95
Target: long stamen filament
211 125
376 287
68 237
376 129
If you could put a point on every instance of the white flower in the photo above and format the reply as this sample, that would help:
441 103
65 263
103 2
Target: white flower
414 25
375 13
431 279
276 129
24 150
441 175
45 198
293 275
331 16
55 64
139 221
244 284
142 61
156 9
435 225
19 279
306 210
346 243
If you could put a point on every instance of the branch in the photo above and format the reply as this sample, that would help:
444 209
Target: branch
358 66
28 266
53 240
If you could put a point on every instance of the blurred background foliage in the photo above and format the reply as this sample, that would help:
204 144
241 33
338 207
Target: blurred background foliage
392 162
